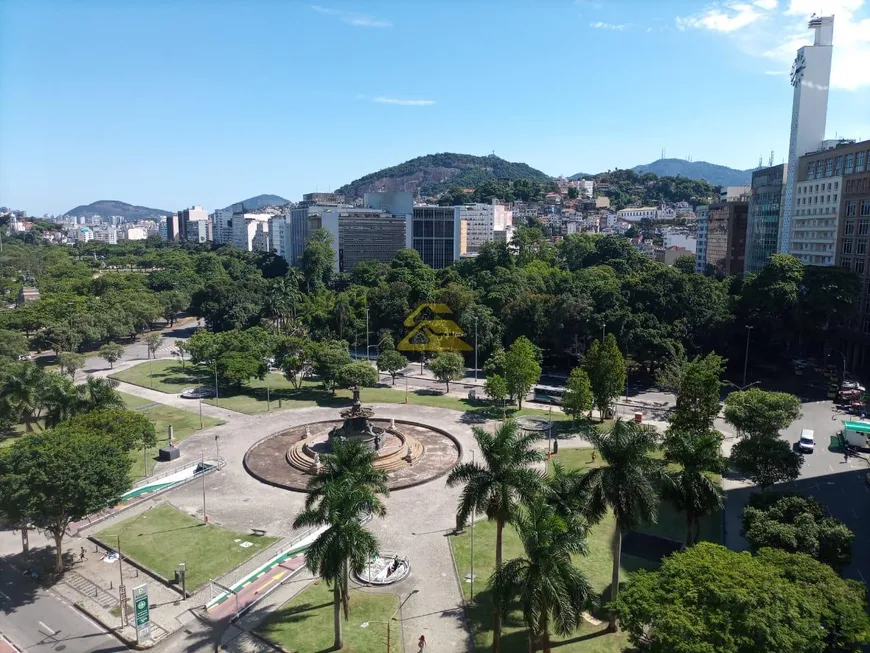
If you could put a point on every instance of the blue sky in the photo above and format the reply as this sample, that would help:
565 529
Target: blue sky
169 104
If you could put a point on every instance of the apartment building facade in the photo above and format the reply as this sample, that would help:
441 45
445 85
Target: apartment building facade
702 213
364 235
437 233
483 222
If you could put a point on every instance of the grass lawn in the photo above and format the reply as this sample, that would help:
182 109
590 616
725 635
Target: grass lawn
184 424
597 565
169 377
304 623
162 537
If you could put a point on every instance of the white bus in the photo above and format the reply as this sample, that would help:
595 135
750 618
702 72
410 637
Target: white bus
548 394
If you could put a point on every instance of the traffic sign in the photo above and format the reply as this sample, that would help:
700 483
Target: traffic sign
142 611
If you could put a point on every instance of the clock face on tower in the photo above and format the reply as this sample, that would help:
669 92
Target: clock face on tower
797 69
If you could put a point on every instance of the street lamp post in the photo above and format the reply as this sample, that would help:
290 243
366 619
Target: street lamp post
389 621
268 395
202 472
473 512
217 448
749 328
367 333
200 411
217 398
475 348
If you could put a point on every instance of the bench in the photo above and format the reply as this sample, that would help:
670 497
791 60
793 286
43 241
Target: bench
258 531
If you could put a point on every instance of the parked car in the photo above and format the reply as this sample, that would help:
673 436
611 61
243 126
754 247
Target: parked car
807 442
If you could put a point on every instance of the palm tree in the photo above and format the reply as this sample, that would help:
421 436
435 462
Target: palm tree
497 488
690 485
60 399
22 395
627 484
346 489
99 394
550 589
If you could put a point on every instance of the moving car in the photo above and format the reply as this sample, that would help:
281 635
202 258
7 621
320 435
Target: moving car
807 442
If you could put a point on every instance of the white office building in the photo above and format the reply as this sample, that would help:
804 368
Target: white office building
483 221
107 234
246 226
139 233
702 212
222 221
637 214
815 220
811 78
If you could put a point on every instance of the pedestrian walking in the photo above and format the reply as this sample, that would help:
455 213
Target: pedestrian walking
846 454
82 557
422 643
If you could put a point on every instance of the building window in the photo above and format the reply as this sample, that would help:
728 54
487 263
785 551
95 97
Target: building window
838 166
867 326
863 227
811 170
859 266
859 162
850 161
829 167
846 263
847 249
849 228
865 207
851 208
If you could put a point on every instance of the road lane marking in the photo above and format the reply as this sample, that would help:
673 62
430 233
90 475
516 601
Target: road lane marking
274 579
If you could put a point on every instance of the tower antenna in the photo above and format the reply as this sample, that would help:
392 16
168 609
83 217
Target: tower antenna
770 161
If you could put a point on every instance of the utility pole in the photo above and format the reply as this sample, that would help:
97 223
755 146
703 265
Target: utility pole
475 348
122 591
367 333
746 357
200 411
217 448
472 541
202 472
217 399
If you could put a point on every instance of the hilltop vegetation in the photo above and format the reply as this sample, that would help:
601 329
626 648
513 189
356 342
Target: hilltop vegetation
701 170
629 188
114 207
434 174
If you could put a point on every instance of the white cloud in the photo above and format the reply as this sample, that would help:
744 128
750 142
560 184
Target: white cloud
761 30
404 103
600 25
357 20
722 18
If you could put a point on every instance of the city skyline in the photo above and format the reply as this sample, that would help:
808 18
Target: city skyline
219 108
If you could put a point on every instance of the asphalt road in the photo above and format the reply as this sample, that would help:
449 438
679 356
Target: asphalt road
38 622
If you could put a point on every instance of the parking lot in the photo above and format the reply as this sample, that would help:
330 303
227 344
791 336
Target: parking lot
840 485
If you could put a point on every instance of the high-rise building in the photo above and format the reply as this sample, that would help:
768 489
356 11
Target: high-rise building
726 237
193 225
765 204
811 77
247 226
106 233
222 224
734 194
852 249
363 235
702 212
437 233
483 221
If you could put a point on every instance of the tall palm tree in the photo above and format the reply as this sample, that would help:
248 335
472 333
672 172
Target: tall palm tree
690 484
550 589
627 484
60 399
497 487
99 394
341 500
350 462
22 395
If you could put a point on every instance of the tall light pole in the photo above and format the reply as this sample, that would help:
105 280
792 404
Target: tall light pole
217 398
475 348
749 328
202 472
472 541
268 396
367 333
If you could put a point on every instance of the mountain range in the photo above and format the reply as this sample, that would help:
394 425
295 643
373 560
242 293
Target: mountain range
252 204
132 212
700 170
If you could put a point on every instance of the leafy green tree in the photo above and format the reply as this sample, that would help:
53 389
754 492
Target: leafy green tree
57 477
294 356
447 366
766 460
180 350
698 398
327 360
685 264
759 412
392 362
111 352
578 394
691 482
553 593
346 488
573 192
495 363
153 341
498 485
70 363
127 428
60 338
98 394
627 485
496 389
606 368
359 374
172 302
238 367
708 598
521 369
318 260
13 344
798 525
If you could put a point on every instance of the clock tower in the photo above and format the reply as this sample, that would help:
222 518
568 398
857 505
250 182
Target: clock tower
810 77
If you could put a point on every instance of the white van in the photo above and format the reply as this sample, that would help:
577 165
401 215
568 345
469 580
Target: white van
808 441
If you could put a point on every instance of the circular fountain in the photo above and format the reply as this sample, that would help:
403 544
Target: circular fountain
409 452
